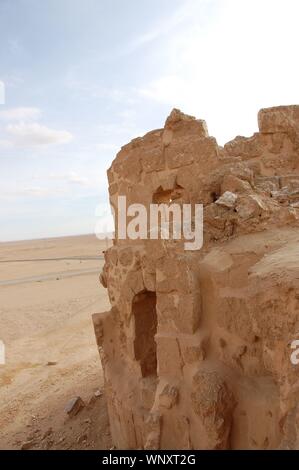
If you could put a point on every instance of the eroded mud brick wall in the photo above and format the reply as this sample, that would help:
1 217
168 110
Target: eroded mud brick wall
196 347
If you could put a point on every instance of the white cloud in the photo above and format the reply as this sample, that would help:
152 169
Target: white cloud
73 177
83 87
38 191
32 134
5 144
31 191
168 89
20 114
242 58
185 12
12 80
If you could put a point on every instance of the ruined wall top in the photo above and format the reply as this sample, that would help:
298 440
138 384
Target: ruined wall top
182 163
185 140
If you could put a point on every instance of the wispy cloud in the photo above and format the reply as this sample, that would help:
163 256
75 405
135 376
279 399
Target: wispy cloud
74 178
88 89
6 144
33 134
166 25
20 114
41 191
32 192
23 129
50 186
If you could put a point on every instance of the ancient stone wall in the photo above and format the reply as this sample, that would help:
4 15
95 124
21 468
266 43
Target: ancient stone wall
196 347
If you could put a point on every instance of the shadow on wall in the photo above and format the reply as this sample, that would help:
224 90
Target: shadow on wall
145 317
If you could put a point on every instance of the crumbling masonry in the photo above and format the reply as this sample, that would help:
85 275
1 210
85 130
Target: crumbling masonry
196 347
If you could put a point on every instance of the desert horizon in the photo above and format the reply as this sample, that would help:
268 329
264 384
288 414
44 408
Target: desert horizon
20 240
42 317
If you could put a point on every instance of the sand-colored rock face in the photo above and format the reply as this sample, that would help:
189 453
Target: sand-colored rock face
196 348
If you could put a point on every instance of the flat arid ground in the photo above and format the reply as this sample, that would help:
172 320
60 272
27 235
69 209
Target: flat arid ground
48 291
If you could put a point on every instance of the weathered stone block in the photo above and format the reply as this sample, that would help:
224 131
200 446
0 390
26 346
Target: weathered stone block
196 349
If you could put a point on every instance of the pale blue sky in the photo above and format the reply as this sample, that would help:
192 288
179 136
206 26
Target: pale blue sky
83 77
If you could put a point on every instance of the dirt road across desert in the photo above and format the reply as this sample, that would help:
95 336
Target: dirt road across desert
48 292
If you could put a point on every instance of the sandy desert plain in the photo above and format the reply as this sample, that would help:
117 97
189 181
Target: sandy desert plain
49 289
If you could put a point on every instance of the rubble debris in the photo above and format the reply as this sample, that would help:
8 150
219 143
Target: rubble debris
74 406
